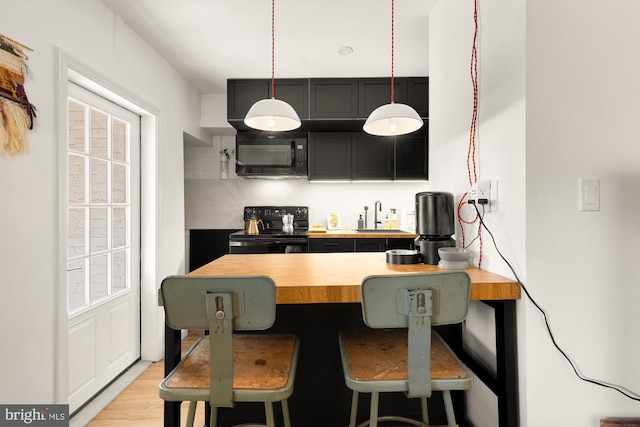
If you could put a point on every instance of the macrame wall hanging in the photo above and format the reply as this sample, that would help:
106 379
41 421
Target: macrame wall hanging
16 112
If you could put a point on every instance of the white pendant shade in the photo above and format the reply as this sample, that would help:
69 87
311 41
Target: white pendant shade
272 115
393 119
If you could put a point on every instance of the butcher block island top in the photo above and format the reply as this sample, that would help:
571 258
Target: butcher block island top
309 278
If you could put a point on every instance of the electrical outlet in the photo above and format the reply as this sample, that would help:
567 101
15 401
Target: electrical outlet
472 198
485 194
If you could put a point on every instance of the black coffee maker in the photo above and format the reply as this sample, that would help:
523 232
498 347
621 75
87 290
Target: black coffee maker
434 224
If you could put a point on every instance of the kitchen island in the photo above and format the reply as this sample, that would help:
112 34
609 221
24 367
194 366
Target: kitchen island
319 293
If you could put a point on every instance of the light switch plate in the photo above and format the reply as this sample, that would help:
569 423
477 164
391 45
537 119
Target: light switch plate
588 194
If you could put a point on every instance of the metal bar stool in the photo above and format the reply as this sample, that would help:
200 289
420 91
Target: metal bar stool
401 352
223 368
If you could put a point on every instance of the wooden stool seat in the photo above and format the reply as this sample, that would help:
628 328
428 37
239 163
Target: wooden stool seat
260 361
367 352
230 364
400 352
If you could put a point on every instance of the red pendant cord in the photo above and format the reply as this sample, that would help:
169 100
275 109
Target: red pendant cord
273 42
392 49
471 153
472 172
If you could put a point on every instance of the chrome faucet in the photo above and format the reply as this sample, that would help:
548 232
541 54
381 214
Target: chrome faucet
377 207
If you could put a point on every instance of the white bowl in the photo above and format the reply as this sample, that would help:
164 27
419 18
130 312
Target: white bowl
452 254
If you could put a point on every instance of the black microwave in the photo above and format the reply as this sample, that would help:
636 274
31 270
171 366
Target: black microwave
271 156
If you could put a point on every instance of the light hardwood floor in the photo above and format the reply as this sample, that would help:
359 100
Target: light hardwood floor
139 404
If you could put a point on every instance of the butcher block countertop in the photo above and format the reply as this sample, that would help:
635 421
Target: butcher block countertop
309 278
351 234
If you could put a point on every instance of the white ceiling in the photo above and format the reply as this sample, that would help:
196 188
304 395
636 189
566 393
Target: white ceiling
209 41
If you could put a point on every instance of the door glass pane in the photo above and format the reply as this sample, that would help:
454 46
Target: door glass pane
98 226
119 140
119 271
76 239
77 178
77 127
118 227
99 181
118 183
99 283
76 284
99 121
98 203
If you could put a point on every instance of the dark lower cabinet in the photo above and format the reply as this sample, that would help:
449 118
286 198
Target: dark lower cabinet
207 245
359 244
370 245
331 245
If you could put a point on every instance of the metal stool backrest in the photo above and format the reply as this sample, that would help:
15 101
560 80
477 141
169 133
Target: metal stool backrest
220 305
416 302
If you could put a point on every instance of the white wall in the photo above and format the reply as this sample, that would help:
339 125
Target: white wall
500 147
29 214
583 106
215 203
577 120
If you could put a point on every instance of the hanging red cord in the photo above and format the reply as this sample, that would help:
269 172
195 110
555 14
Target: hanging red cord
471 152
273 43
393 36
472 172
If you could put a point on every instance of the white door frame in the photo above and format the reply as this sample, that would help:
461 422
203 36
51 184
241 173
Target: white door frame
152 317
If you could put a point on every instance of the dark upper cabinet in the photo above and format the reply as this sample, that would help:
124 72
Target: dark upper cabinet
374 92
295 92
360 156
418 95
329 155
372 157
243 93
328 104
333 111
412 155
333 98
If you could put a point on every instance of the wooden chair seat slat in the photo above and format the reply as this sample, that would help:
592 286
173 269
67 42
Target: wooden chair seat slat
368 353
260 362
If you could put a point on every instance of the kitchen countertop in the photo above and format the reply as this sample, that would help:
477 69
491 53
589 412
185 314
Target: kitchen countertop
307 278
351 234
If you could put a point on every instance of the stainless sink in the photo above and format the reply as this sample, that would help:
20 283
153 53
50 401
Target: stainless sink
379 230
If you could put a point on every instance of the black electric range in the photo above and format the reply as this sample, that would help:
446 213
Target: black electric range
271 237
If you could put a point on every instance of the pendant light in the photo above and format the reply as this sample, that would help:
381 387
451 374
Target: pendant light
392 119
272 114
